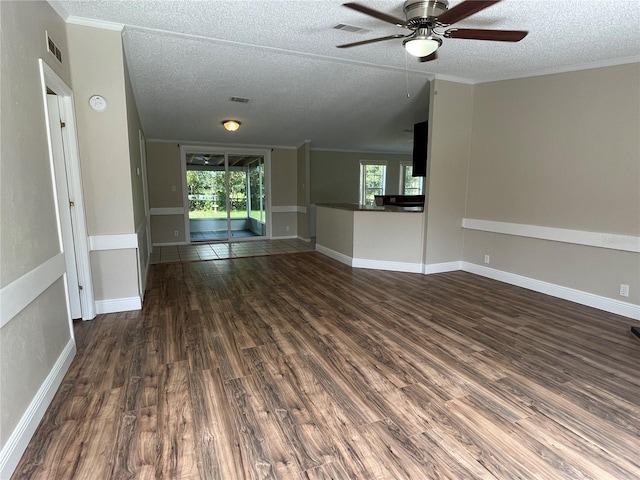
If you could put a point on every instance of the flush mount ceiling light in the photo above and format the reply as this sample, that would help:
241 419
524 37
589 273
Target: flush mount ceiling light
231 125
422 43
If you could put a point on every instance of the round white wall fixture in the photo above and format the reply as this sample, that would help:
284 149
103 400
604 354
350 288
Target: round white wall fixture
98 103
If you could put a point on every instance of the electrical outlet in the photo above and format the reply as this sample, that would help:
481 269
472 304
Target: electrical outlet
624 290
487 258
176 233
287 228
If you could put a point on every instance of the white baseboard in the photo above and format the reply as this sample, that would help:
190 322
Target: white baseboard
341 257
578 296
116 305
21 435
284 237
169 244
304 239
428 269
387 265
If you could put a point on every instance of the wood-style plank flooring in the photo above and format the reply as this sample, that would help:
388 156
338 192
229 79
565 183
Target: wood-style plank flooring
298 367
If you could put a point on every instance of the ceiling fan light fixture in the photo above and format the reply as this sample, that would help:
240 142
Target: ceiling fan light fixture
231 125
420 45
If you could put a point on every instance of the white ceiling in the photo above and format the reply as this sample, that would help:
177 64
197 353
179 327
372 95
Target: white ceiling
187 58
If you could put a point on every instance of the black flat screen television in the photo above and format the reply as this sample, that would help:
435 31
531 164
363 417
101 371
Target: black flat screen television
420 140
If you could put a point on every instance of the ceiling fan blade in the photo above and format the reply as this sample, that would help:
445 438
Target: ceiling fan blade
477 34
375 13
464 10
371 40
428 58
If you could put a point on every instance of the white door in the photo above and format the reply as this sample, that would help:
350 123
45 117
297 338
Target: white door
65 204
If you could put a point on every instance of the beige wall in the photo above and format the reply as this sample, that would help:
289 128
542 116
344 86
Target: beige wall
134 127
109 154
97 67
165 175
284 192
163 228
283 177
335 230
335 176
559 151
388 237
33 340
165 182
449 138
302 192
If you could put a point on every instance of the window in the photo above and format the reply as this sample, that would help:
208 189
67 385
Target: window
409 185
372 179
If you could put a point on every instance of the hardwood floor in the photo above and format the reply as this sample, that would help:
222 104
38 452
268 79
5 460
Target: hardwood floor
298 367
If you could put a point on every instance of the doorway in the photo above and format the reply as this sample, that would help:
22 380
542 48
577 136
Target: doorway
226 194
69 201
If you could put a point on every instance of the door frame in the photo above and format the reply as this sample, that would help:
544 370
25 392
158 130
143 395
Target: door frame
78 234
222 150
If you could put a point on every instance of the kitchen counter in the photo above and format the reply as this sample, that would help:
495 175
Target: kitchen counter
354 207
390 239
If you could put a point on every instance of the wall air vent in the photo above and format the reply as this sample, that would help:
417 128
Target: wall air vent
239 99
52 48
351 28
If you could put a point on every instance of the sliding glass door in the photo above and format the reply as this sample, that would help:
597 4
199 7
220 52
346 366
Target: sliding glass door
226 195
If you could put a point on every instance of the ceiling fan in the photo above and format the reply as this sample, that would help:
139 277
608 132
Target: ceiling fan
424 16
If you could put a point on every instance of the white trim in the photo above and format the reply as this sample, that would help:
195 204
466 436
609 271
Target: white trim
308 240
578 296
21 292
224 145
288 209
341 257
113 242
170 244
387 265
49 79
451 78
431 268
115 305
286 237
142 263
167 211
572 68
21 435
611 241
92 22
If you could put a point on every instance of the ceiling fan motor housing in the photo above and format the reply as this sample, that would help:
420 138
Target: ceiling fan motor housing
419 12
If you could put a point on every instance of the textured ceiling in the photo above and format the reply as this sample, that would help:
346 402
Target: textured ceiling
187 58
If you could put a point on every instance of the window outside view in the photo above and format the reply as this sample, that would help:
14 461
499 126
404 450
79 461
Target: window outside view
372 180
410 185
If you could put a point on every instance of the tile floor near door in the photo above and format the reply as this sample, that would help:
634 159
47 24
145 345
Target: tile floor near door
216 251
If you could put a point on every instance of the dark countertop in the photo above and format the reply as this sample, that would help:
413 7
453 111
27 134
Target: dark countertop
354 207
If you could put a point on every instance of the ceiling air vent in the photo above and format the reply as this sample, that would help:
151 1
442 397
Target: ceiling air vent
351 28
239 99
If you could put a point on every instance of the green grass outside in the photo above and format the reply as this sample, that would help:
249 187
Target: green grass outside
222 214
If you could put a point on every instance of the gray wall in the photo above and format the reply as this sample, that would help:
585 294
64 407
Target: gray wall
109 156
450 133
559 151
33 340
335 176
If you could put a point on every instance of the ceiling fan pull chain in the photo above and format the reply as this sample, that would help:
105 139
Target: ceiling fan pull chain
406 71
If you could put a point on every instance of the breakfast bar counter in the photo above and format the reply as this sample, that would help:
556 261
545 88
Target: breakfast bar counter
378 237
